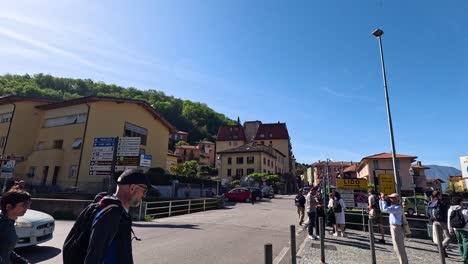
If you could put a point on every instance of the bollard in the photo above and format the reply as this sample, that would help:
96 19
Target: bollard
372 245
363 221
293 244
322 239
268 254
438 230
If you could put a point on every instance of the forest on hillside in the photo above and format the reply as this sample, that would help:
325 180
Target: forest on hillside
197 119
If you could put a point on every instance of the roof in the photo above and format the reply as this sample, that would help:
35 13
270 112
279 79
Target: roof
334 163
231 133
187 147
91 99
435 180
8 99
387 155
455 178
253 147
351 168
272 131
206 142
420 167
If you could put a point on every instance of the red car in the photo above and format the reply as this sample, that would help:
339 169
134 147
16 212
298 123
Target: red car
238 194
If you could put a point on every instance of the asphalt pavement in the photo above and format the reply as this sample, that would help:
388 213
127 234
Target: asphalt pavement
236 235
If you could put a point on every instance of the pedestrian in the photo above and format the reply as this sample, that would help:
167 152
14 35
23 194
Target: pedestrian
392 206
438 212
311 207
252 197
375 213
320 213
300 201
14 203
457 224
331 213
110 228
19 185
338 209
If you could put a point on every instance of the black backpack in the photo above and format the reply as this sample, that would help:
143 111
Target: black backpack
296 200
76 244
457 219
337 206
376 204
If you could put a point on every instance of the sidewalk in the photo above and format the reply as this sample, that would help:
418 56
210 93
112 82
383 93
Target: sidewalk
355 248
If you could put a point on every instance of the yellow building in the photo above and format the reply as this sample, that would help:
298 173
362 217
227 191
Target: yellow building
250 158
171 161
61 151
456 184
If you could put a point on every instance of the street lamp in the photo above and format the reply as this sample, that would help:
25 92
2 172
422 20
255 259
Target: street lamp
378 34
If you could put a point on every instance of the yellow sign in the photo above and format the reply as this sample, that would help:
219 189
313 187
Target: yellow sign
387 183
351 184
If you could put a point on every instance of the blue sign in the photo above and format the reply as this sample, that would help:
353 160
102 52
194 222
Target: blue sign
104 142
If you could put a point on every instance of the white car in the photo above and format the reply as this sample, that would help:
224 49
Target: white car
34 228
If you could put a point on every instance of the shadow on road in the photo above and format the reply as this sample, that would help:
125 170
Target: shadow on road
183 226
38 254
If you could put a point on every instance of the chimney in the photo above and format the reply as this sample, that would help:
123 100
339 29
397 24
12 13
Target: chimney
419 163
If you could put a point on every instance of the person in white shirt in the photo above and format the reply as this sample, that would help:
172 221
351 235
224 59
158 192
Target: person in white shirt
395 210
460 232
310 206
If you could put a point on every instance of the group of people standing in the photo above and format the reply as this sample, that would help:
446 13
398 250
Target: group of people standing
313 204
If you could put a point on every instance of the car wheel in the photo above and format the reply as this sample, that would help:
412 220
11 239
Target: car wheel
258 198
410 211
226 199
247 200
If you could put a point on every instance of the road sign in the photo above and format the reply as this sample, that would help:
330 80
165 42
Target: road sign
129 146
99 173
351 184
387 183
145 160
102 156
104 142
123 168
8 166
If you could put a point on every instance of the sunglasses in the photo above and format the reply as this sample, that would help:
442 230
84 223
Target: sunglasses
144 187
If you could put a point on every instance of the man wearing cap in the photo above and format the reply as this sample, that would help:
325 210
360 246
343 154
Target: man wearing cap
395 210
111 234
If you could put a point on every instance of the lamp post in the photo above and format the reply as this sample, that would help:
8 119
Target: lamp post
378 34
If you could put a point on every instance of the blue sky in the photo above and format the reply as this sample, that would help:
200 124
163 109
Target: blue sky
311 64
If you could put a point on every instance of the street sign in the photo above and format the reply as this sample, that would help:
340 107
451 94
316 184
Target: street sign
464 166
100 168
8 166
387 183
99 173
145 160
104 142
102 156
129 146
123 168
351 184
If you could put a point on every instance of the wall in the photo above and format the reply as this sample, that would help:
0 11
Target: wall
283 146
405 164
107 119
224 145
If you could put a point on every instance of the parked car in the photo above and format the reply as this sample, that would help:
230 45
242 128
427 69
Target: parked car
33 228
268 192
257 193
415 204
238 194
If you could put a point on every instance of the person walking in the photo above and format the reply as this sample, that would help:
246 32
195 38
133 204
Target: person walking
331 213
14 203
375 213
457 224
338 210
438 212
320 213
311 203
393 207
300 201
110 234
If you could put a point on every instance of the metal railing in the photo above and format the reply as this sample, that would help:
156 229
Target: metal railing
168 208
384 215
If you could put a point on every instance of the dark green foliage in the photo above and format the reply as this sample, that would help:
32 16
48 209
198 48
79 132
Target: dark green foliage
195 118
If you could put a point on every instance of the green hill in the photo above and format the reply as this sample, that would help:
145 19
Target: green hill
197 119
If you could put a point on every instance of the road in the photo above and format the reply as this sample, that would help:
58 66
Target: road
234 235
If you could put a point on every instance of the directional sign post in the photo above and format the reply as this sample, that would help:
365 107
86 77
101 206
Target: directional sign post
102 156
351 184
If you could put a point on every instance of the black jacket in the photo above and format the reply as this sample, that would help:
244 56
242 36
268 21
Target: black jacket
8 240
111 234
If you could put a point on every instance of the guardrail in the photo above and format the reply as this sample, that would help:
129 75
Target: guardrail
168 208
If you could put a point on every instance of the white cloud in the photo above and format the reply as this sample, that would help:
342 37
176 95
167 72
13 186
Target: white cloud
21 52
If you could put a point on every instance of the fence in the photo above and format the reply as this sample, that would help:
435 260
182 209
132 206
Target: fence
419 226
177 207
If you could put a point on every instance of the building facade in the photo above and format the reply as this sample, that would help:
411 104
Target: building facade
178 136
336 170
434 184
62 137
203 153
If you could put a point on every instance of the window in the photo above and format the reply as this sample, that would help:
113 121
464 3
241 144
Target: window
262 135
236 129
235 143
2 142
416 172
136 131
229 160
250 171
240 160
264 161
77 143
239 172
65 120
235 137
397 162
32 172
229 172
268 162
250 160
5 118
264 171
271 142
230 143
376 164
262 142
73 171
230 129
271 135
58 144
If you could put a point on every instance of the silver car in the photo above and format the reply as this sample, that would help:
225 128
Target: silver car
34 228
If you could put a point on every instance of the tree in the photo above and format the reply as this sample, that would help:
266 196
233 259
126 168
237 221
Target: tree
181 143
190 168
177 169
238 121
